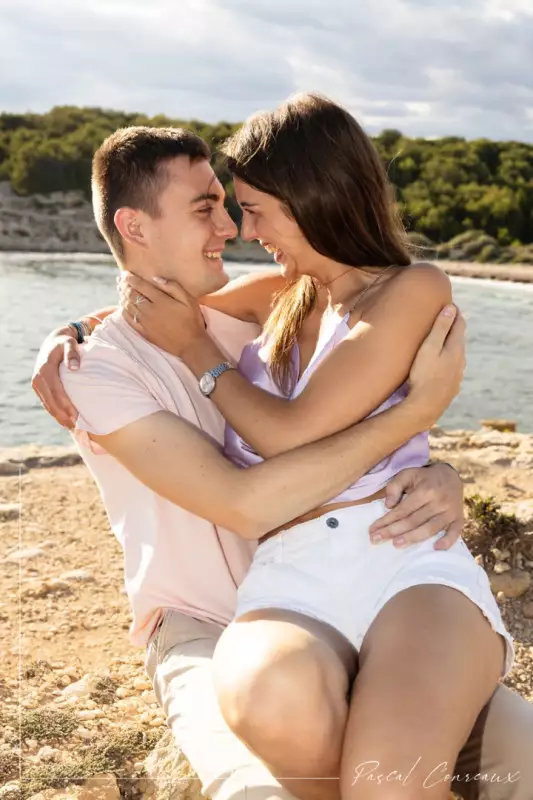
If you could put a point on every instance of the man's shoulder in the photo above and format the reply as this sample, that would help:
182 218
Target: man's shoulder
111 350
112 387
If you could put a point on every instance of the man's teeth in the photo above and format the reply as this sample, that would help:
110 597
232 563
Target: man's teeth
216 255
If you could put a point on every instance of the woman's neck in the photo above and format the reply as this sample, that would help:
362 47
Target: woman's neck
338 284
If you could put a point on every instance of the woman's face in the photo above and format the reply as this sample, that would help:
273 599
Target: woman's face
265 219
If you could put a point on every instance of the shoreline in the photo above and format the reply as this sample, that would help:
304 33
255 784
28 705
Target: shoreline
246 253
515 273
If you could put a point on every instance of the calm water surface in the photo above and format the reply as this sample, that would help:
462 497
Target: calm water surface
38 293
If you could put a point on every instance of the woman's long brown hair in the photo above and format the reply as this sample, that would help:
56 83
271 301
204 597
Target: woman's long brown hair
315 158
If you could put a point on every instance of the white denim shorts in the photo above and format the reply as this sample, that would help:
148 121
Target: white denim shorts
328 569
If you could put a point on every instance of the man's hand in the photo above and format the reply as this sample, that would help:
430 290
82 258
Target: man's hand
167 316
60 345
425 500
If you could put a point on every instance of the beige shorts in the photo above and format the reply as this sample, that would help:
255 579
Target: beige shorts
178 662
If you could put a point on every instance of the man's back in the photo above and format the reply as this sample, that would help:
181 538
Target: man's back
172 558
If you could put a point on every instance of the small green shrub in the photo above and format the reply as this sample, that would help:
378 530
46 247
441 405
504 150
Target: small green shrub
36 669
47 723
104 691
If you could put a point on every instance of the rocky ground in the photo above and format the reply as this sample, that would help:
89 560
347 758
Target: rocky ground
78 716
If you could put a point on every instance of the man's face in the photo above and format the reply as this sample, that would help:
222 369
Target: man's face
185 242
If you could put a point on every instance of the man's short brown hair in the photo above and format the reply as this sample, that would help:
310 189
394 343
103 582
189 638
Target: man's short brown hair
129 170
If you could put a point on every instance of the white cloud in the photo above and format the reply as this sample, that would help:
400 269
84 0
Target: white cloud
427 67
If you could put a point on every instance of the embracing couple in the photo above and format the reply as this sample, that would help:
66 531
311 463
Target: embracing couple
314 625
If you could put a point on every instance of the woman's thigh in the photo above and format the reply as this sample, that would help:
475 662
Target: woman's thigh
282 680
428 664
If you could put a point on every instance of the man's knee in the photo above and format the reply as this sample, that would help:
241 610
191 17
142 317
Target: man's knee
498 751
297 700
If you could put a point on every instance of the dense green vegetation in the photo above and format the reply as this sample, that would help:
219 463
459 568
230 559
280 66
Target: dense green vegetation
474 196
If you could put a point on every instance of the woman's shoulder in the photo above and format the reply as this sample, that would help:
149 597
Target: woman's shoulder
424 273
420 287
416 281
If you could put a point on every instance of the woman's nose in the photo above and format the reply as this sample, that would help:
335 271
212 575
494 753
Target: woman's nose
247 229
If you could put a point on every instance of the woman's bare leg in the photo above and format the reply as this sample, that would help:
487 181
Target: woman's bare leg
282 681
428 664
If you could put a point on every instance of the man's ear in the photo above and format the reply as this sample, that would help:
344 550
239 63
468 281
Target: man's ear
128 222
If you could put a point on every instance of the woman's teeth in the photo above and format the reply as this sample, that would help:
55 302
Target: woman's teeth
269 248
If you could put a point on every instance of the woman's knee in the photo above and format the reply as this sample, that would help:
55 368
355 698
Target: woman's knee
293 701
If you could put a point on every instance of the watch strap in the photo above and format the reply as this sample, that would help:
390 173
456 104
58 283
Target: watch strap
220 369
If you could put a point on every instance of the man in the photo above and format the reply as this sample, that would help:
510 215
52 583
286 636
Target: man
151 440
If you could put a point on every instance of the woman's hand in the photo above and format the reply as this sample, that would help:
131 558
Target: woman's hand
60 345
437 371
162 312
424 501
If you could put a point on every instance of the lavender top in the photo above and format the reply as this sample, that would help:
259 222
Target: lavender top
253 366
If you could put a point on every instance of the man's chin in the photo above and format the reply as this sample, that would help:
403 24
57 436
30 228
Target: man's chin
213 282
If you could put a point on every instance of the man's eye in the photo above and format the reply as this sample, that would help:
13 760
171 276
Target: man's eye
206 210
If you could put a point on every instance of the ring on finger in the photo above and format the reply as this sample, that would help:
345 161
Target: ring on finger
139 299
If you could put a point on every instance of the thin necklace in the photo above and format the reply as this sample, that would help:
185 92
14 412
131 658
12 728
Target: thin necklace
370 285
328 283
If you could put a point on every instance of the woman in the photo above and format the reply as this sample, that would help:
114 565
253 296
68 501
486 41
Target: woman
337 345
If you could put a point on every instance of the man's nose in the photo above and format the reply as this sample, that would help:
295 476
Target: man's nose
226 227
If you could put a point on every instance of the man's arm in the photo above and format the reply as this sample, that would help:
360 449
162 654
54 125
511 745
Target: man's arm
180 463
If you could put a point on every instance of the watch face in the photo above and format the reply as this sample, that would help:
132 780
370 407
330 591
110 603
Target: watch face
207 383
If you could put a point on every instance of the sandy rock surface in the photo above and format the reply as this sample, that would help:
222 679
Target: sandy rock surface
88 710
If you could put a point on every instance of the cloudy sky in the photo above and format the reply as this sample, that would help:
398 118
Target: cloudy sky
427 67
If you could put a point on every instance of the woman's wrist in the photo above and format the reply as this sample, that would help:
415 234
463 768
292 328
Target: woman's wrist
420 411
201 354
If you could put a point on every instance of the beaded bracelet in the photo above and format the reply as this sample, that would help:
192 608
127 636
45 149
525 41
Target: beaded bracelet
82 330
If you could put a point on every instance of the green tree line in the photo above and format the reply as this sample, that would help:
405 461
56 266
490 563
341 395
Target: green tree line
449 190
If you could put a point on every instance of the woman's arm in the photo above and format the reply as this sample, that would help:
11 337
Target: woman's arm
351 382
248 298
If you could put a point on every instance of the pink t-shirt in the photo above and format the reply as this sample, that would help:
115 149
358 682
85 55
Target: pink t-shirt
172 558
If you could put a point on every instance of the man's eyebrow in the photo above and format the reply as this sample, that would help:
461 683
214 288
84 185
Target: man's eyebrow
206 196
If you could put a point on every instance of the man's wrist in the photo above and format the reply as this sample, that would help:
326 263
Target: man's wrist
65 330
434 463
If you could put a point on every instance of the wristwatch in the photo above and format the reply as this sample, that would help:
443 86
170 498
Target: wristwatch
208 381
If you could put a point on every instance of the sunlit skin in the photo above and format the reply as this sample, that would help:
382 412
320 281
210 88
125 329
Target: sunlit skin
266 220
185 241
